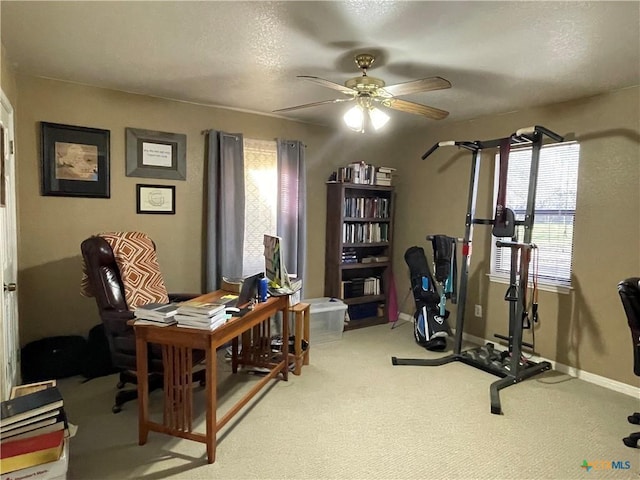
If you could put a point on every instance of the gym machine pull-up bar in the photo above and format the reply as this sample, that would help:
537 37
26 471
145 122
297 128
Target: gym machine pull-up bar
510 364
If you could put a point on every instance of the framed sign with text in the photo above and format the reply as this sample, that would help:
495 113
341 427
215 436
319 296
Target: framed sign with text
152 154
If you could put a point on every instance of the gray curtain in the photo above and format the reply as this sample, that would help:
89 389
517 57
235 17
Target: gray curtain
225 208
292 216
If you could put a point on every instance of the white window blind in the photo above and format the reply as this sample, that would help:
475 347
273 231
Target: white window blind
261 190
554 209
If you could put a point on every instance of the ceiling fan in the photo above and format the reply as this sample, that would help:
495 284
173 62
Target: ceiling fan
368 92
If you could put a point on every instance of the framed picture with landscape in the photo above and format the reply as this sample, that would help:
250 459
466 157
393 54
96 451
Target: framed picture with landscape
75 161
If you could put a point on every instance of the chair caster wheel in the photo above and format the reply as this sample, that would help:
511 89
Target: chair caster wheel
120 385
630 442
116 409
635 418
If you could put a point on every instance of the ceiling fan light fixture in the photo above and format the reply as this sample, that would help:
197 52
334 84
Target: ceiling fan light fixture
354 118
378 118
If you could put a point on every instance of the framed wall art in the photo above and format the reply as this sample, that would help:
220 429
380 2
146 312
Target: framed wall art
157 199
75 161
152 154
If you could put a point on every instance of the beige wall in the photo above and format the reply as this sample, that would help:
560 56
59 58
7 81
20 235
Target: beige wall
587 328
51 228
7 77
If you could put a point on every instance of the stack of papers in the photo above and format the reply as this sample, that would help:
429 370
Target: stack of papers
203 315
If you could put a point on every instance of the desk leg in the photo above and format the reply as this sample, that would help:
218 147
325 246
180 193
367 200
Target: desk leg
234 355
306 313
212 403
142 372
285 339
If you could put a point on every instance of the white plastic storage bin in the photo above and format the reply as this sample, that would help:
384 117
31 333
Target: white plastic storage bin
326 320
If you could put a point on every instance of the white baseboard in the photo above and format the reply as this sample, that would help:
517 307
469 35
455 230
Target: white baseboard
566 369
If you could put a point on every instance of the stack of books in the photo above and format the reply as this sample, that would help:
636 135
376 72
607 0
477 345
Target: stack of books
198 314
384 175
349 256
33 429
160 314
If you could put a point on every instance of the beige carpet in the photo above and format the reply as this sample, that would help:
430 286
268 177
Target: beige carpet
353 415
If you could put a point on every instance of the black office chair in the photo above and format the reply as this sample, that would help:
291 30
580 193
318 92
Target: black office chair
629 291
104 282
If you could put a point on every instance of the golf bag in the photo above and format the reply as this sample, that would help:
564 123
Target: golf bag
431 328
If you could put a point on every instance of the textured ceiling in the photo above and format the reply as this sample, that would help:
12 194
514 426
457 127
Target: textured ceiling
499 56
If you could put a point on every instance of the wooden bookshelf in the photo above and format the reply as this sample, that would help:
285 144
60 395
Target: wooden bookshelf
358 250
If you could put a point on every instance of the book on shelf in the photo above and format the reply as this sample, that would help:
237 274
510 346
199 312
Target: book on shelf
156 311
21 390
28 406
375 259
28 452
200 307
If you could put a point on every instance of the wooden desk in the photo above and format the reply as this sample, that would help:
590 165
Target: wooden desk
253 330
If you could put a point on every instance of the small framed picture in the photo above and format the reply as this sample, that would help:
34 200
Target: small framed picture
157 199
75 161
152 154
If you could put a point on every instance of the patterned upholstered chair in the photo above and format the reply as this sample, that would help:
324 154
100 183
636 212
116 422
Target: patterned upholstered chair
121 272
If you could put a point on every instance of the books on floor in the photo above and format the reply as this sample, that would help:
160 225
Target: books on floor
28 452
56 470
33 429
28 406
20 390
51 424
156 312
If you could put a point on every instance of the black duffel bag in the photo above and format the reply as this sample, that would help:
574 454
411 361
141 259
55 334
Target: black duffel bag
53 357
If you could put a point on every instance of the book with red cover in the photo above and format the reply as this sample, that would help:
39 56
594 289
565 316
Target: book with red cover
27 452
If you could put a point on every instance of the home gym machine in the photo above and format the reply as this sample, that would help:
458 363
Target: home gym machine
510 364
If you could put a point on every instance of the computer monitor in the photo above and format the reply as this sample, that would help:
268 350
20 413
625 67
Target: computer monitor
249 289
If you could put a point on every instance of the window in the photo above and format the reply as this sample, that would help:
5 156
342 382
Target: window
554 210
261 193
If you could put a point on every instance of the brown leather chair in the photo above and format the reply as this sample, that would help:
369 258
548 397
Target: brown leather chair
629 291
108 289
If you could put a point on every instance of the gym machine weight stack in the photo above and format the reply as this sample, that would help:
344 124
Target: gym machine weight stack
509 364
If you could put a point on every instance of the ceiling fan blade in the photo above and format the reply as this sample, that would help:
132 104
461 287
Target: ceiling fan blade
422 85
327 83
314 104
411 107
